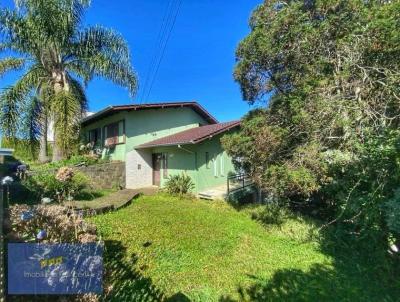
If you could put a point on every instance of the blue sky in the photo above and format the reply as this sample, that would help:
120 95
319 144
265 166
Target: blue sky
199 58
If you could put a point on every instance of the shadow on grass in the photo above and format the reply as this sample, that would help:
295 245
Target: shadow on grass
124 282
87 195
356 274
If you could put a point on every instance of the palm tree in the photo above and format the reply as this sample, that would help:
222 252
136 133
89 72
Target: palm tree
58 58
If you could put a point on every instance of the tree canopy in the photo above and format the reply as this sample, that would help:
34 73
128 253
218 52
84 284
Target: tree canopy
58 56
330 75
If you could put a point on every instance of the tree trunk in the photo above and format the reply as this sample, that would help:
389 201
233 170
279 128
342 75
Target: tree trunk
43 140
60 84
58 153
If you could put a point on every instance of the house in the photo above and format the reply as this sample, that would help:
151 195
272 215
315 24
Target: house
4 152
50 128
162 139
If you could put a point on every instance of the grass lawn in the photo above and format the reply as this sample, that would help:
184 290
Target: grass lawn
165 248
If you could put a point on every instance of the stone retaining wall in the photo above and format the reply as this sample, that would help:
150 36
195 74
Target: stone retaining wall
105 176
102 176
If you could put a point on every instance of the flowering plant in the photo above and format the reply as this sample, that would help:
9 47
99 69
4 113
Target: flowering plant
62 186
48 223
65 174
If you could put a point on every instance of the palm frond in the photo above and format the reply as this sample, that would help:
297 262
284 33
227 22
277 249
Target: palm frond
66 111
13 98
75 10
115 71
10 112
31 127
79 92
81 70
8 64
107 55
14 32
97 39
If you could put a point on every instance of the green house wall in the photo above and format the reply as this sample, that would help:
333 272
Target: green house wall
191 159
145 125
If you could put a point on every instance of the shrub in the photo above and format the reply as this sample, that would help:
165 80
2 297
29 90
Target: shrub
65 184
179 184
74 160
26 191
391 210
271 213
48 223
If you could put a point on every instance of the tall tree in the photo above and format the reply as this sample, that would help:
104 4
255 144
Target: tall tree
331 74
58 57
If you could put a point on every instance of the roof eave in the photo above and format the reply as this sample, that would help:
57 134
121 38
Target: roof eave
110 109
97 114
192 142
144 146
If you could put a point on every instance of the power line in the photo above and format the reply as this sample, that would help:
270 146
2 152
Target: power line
166 31
156 47
165 46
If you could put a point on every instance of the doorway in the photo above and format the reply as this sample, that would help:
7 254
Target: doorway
157 157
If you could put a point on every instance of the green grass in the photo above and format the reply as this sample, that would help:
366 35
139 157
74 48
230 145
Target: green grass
162 247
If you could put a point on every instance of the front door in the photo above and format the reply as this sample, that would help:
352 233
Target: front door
156 168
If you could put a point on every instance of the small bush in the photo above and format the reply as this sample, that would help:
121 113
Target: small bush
50 185
179 184
271 213
74 160
26 191
48 223
391 210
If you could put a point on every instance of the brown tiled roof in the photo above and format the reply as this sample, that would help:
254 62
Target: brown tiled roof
191 136
114 109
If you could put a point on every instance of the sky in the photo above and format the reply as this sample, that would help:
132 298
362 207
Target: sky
198 61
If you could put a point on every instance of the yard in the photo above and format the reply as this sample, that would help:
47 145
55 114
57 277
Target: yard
166 248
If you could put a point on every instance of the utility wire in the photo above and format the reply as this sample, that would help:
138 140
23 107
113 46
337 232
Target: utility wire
156 49
162 45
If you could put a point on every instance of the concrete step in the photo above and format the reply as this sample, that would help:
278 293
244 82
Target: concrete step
212 194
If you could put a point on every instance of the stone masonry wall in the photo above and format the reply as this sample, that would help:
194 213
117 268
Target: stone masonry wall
105 176
101 176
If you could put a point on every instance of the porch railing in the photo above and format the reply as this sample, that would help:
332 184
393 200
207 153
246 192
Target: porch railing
238 182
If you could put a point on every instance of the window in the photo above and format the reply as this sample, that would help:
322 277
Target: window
114 133
165 164
221 159
94 136
215 165
207 160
